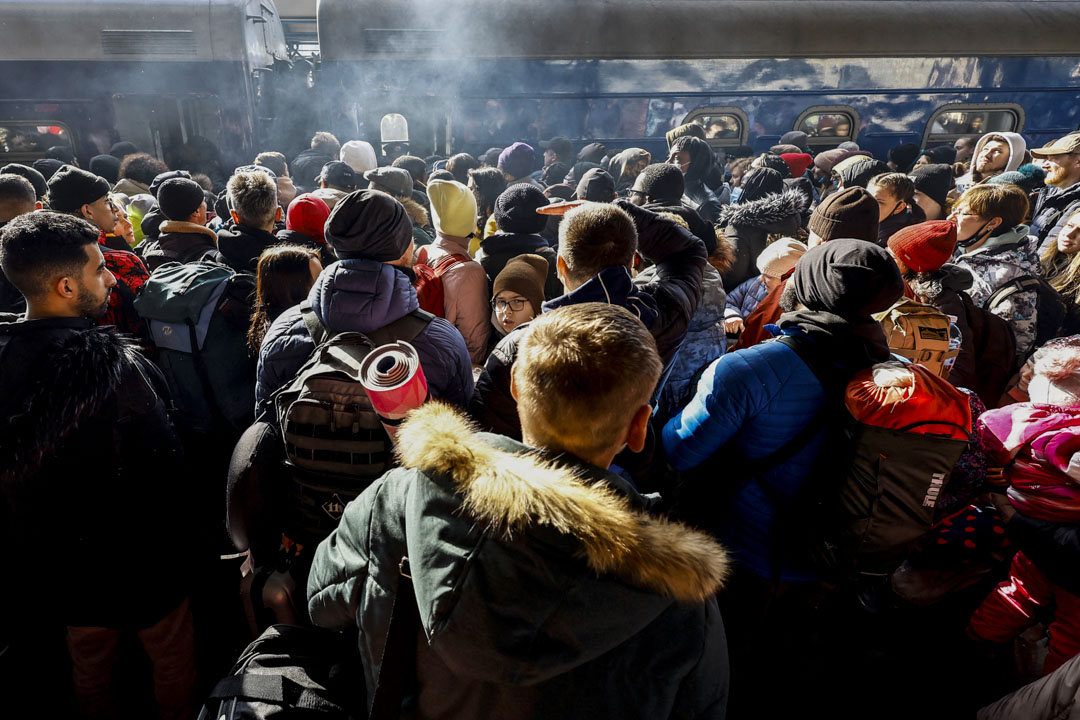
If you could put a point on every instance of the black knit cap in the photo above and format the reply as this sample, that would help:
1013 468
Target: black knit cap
849 278
162 178
849 213
661 181
759 182
934 181
47 167
515 209
70 188
36 179
178 198
369 225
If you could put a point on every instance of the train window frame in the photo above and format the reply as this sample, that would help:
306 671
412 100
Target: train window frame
853 133
949 138
29 156
738 113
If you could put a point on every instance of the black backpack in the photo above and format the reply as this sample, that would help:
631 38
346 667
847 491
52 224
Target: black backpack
1050 309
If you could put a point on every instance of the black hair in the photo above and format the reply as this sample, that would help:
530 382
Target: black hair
16 190
142 168
39 247
416 166
460 165
490 184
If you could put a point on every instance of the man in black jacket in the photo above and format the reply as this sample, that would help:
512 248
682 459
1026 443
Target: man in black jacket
91 509
184 236
254 208
596 248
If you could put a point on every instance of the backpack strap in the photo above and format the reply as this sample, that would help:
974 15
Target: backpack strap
397 668
315 328
448 262
1016 285
404 328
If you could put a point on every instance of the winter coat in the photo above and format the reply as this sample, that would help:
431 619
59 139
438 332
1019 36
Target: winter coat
705 231
330 196
295 237
748 226
361 296
558 610
1054 697
1055 547
701 198
130 275
944 291
768 312
11 300
911 215
241 246
466 296
744 299
759 399
1017 148
93 505
1039 448
1051 214
131 188
632 159
182 242
666 300
1022 601
994 265
497 249
421 222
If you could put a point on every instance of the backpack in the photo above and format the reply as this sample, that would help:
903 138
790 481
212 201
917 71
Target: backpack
1050 309
335 442
429 284
198 315
292 672
918 332
994 350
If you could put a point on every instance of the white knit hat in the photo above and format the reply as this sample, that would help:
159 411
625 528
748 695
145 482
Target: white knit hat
1056 379
779 257
359 155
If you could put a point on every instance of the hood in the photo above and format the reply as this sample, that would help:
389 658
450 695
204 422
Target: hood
701 158
1017 148
767 211
241 246
361 295
177 230
625 166
1005 240
1052 432
416 212
522 606
614 286
950 277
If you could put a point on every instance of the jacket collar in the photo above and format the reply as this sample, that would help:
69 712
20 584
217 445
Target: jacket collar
613 286
187 228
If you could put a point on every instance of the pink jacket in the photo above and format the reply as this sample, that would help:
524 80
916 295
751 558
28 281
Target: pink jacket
466 301
1039 447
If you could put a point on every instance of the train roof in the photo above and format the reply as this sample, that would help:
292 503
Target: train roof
661 29
141 30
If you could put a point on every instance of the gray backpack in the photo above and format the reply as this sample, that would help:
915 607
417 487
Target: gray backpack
335 444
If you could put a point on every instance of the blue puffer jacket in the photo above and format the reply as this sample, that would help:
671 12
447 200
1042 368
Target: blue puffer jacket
361 296
760 398
744 299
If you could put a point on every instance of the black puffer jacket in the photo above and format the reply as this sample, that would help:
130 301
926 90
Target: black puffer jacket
706 232
674 287
747 227
702 162
241 246
93 502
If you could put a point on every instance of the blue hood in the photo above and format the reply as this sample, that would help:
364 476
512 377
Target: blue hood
362 295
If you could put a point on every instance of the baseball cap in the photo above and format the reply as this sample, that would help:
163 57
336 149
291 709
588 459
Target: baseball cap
1062 146
339 174
560 145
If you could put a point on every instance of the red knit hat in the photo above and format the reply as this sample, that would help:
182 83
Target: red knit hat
797 163
924 247
307 214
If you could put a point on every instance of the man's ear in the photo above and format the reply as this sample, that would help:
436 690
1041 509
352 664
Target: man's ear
561 270
84 213
513 384
638 431
235 216
277 215
66 288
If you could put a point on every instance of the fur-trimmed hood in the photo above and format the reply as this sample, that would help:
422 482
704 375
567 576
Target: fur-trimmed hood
767 211
416 212
527 565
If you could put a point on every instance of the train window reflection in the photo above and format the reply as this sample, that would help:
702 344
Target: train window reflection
973 122
723 126
30 139
828 125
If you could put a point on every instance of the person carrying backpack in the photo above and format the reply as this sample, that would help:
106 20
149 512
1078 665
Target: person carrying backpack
449 283
368 288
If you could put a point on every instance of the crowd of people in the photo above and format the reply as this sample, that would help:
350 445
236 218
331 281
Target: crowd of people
711 434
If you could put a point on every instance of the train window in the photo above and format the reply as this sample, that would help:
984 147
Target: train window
30 140
724 127
956 120
828 125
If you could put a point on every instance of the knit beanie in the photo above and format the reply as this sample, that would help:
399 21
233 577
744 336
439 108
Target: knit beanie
934 181
515 209
122 149
760 182
161 178
779 257
359 155
850 213
105 166
825 161
178 198
661 181
1028 178
517 160
1056 379
524 275
849 278
924 247
904 156
70 188
369 225
858 170
941 154
785 149
47 167
797 163
453 208
307 215
36 179
775 162
795 137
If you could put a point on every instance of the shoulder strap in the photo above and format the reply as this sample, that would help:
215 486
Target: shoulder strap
1010 288
446 262
315 328
405 328
397 668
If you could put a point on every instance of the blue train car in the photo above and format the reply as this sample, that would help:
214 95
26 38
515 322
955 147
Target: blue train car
474 74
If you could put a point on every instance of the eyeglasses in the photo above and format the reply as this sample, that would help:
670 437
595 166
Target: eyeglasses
515 304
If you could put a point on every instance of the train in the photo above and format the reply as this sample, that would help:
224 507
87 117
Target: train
473 74
469 75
